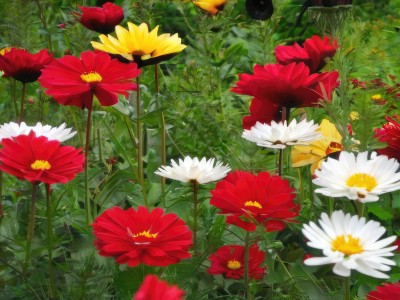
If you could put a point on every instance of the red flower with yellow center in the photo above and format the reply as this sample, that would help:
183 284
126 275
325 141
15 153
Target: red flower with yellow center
100 19
38 159
153 288
73 81
142 236
288 86
249 200
229 261
23 65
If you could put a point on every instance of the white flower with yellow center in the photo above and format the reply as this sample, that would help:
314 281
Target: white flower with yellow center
12 130
193 170
351 244
279 135
358 178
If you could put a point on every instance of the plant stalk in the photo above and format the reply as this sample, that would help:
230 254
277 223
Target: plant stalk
88 210
346 283
21 112
52 290
195 186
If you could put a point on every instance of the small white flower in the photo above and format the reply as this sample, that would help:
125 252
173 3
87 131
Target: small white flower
358 178
351 244
278 135
193 170
12 130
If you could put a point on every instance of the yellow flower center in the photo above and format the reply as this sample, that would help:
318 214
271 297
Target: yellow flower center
376 97
362 180
234 264
41 165
91 77
354 115
253 204
145 233
5 50
347 244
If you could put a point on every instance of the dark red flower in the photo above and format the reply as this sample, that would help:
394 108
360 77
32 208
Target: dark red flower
390 134
23 65
314 52
289 86
307 256
397 243
229 261
249 200
153 288
73 81
100 19
135 237
38 159
387 291
263 112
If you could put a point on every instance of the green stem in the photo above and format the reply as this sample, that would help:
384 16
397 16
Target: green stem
331 204
1 196
44 23
346 284
14 93
246 265
88 209
140 143
21 112
31 227
52 290
360 209
195 210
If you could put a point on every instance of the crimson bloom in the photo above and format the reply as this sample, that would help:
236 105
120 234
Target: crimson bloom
263 112
100 19
388 291
229 261
135 237
289 86
249 200
38 159
23 65
313 53
390 134
153 288
73 81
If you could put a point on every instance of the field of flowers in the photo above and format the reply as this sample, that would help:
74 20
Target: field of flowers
205 149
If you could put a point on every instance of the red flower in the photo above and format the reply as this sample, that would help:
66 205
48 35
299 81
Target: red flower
153 288
23 65
263 112
249 200
313 53
390 134
135 237
102 20
38 159
229 261
388 291
73 81
289 86
397 243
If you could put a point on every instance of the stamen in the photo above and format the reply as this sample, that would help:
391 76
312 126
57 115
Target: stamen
41 165
91 77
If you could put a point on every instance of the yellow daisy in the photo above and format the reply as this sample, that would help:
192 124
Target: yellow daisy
211 6
314 153
140 45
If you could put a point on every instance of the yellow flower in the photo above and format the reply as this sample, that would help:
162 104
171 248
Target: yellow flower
139 45
211 6
314 153
376 97
354 116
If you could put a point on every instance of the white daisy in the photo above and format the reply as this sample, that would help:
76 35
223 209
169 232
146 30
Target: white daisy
358 178
193 170
61 134
278 135
351 244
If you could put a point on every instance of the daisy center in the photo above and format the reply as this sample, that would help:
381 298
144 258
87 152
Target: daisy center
347 244
253 204
41 165
234 264
362 180
91 77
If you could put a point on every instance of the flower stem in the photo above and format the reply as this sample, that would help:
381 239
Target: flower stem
195 209
21 112
88 210
140 143
360 209
246 265
14 93
31 227
346 285
44 23
1 196
285 117
163 137
52 290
